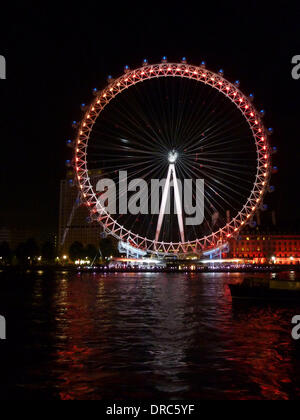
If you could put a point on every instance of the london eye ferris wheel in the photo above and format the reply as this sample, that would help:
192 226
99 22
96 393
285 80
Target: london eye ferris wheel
174 121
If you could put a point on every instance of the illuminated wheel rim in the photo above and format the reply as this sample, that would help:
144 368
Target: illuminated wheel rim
201 75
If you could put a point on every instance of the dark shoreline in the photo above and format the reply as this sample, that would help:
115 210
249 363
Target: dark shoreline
102 269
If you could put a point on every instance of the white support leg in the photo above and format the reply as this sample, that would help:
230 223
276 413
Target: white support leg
171 172
178 205
163 204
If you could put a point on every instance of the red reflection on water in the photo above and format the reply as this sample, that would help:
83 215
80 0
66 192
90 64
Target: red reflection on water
170 336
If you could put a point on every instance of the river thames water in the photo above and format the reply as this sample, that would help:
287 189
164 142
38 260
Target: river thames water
143 336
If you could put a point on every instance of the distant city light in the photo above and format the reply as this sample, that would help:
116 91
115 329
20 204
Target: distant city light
83 262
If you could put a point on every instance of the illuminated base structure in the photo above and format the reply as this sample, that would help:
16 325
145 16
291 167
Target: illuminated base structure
137 258
217 253
130 251
137 263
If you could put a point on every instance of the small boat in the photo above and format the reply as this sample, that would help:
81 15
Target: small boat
266 289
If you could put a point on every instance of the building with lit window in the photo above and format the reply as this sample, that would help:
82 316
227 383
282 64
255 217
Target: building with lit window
5 235
14 236
262 248
74 222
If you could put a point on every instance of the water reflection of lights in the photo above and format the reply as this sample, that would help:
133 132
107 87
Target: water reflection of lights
133 334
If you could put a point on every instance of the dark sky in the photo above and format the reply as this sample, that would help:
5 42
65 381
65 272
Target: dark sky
56 54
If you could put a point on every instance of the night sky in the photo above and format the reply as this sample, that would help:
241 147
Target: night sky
56 55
